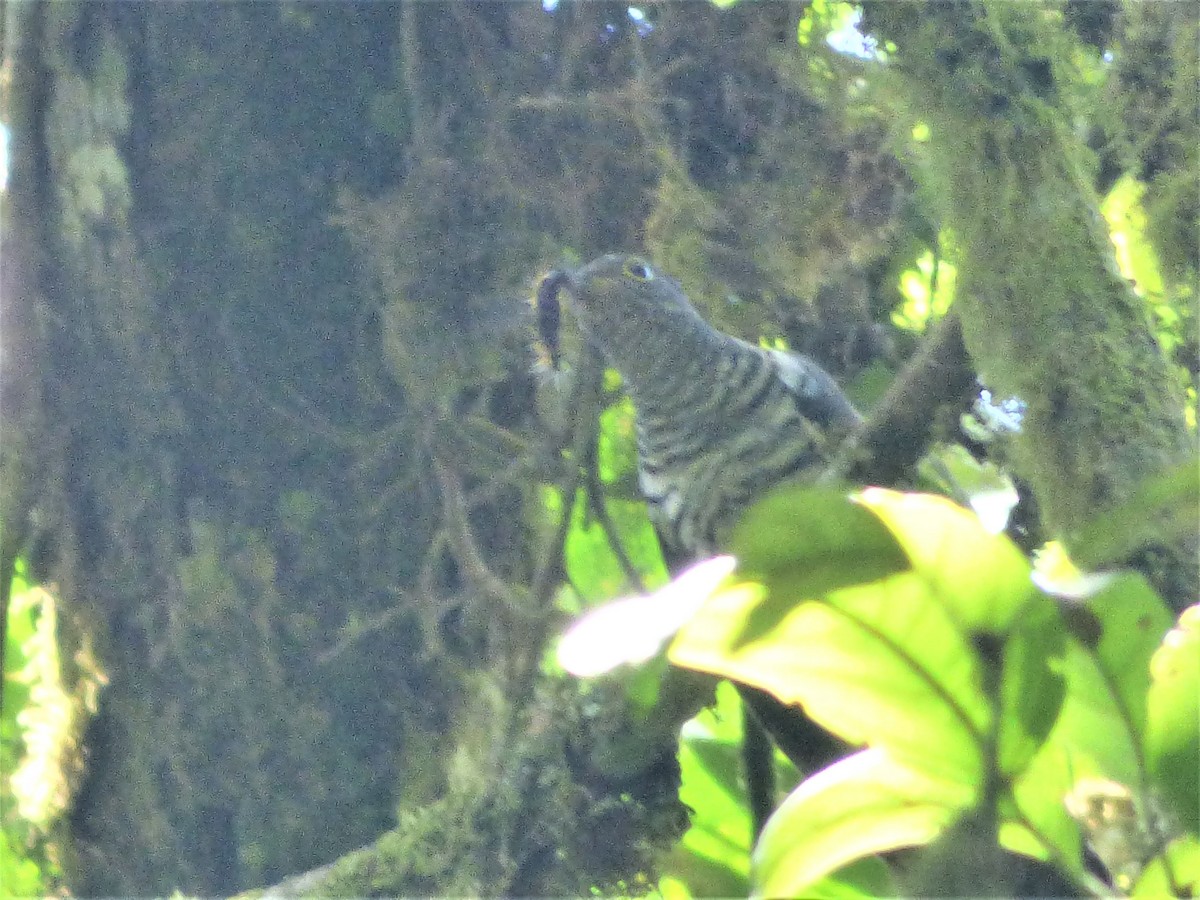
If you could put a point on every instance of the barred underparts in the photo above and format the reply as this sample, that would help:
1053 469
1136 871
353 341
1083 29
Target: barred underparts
719 421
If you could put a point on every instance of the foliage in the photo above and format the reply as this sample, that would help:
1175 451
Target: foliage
928 290
39 736
1172 304
983 708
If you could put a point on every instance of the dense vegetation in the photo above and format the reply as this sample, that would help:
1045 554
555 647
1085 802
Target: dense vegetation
293 514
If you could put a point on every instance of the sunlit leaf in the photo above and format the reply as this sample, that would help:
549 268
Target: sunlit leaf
1097 734
864 878
880 664
1034 819
805 542
813 540
1108 673
894 662
982 578
1173 719
865 804
633 630
1133 622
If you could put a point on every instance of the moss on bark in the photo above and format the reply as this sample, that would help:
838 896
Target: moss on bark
1046 314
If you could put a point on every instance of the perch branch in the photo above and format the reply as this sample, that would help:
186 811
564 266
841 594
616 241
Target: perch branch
902 424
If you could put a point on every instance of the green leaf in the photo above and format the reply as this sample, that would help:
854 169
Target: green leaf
713 857
892 662
1098 732
1173 719
915 664
807 541
1032 685
982 578
865 804
1133 620
1034 818
1174 873
867 878
879 664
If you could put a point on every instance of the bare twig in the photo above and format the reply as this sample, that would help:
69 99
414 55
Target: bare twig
462 539
595 500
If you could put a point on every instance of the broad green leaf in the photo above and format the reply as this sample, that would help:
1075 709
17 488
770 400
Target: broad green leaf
1033 817
864 878
879 664
1032 685
1092 732
1173 719
807 541
1103 717
1097 733
982 578
712 859
865 804
1174 873
1133 620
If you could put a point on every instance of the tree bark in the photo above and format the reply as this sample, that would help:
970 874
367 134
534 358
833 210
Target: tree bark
1046 315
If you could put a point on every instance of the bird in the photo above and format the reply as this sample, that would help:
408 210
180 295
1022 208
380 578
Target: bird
719 422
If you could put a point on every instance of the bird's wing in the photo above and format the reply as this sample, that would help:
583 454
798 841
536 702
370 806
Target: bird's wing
817 395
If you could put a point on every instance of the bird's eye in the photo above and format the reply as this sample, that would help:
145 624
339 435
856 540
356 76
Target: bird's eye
635 268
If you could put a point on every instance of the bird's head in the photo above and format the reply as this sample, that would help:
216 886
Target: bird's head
616 292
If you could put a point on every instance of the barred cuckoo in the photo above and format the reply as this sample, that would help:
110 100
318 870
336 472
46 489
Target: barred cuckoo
719 423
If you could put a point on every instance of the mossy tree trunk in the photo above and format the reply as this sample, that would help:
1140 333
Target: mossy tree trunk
1046 314
218 733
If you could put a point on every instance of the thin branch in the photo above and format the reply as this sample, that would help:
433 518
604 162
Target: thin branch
903 423
595 501
462 538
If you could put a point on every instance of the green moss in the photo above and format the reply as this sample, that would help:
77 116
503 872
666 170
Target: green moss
1046 315
522 814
